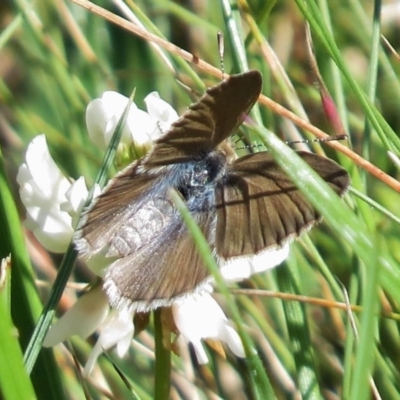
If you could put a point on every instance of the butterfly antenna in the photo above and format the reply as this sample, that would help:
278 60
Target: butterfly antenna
319 140
290 142
221 49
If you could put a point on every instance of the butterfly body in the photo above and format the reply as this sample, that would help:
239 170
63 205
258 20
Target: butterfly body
245 206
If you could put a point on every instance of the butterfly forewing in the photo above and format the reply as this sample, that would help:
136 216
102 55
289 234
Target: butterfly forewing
258 206
209 121
121 200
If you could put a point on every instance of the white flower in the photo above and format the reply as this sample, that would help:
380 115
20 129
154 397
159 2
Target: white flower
82 319
239 268
117 331
162 115
141 128
43 190
76 197
200 317
92 312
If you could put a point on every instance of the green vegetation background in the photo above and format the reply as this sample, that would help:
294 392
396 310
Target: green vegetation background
56 56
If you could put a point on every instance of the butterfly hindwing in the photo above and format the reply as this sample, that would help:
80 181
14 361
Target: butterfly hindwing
259 207
168 267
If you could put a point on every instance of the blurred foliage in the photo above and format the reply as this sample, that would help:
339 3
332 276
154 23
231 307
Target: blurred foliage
56 56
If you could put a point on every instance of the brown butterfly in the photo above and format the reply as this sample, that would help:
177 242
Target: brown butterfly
244 206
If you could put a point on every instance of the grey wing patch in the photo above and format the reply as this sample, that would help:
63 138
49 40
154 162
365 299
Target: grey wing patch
158 274
130 207
141 228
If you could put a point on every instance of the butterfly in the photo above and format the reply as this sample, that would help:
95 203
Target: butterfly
244 206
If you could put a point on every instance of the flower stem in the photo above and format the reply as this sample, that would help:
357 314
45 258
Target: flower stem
163 362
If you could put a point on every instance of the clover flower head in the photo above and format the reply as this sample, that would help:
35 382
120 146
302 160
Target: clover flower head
141 127
43 190
92 312
199 317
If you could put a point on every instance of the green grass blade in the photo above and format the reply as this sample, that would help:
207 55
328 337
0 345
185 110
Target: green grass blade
14 381
25 302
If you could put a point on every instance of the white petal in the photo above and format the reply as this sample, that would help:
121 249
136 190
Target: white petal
53 233
96 121
162 114
232 339
199 317
76 196
50 219
159 109
118 331
82 319
43 170
119 326
102 116
123 345
139 124
201 355
94 355
239 268
98 262
42 190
